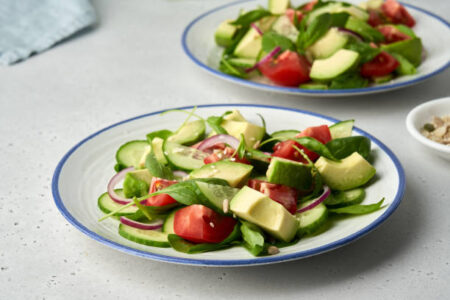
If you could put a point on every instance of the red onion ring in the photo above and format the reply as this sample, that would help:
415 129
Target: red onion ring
253 25
217 139
139 225
264 59
317 201
112 184
351 33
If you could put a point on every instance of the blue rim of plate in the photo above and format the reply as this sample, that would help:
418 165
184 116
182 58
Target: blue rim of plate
237 262
299 91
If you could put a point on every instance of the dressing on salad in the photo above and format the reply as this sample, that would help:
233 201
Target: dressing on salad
236 185
321 44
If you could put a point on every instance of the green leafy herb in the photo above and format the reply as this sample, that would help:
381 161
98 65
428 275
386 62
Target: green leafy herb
366 52
250 17
315 146
215 123
318 27
253 238
262 121
236 39
162 134
271 40
240 150
142 209
317 178
343 147
405 66
119 167
349 81
357 209
156 168
229 69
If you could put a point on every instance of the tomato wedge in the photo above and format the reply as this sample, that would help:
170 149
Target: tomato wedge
286 150
310 5
200 224
282 194
288 69
375 18
381 65
397 13
290 14
158 184
392 34
226 153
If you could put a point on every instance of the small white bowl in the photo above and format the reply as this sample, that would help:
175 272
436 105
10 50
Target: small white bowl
423 114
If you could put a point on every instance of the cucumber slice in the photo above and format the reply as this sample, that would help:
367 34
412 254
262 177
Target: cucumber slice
285 134
242 63
168 223
130 154
145 237
182 157
107 205
311 220
345 198
189 134
341 129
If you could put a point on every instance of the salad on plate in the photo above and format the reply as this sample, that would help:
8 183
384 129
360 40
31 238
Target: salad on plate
199 190
321 44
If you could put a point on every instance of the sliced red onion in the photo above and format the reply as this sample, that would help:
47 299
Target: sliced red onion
317 201
179 173
253 25
112 184
351 33
140 225
218 139
264 59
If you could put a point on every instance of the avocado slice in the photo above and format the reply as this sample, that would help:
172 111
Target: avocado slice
290 173
327 45
250 45
252 133
337 7
278 7
363 29
235 115
236 174
351 172
225 33
136 183
284 26
262 211
157 145
410 49
189 133
333 66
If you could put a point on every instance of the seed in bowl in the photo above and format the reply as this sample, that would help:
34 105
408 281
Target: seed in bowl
438 130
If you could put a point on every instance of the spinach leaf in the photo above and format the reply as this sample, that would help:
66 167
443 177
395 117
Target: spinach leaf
250 17
119 167
357 209
253 238
366 52
318 27
240 150
343 147
349 81
156 168
162 134
229 69
262 121
315 146
271 40
215 123
236 39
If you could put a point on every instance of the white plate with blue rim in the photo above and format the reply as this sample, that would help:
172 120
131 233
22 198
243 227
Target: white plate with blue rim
83 173
199 45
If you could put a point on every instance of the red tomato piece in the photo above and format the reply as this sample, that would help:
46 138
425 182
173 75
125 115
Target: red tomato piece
226 153
285 149
375 18
392 34
310 5
158 184
381 65
397 13
282 194
290 14
288 69
200 224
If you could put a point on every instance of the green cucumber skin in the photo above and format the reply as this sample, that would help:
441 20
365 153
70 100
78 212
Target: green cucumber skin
102 203
316 224
345 198
197 133
123 158
342 129
142 241
168 223
178 166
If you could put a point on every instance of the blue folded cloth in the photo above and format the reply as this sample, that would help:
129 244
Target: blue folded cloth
32 26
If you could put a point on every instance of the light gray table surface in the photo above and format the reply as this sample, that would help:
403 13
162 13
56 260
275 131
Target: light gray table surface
133 63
